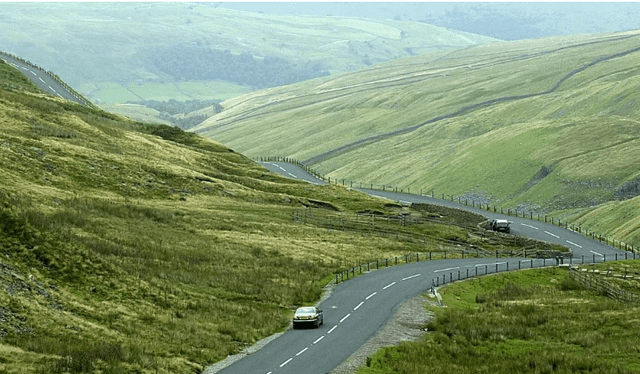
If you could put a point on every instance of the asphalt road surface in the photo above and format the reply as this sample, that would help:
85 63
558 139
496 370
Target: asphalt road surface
580 245
41 79
359 308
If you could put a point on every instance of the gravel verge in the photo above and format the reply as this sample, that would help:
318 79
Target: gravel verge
406 325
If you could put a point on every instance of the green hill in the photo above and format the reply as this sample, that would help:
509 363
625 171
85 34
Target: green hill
547 125
129 247
115 53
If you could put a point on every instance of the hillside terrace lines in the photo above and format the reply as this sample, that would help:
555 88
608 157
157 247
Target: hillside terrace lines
397 81
351 90
400 79
598 149
334 152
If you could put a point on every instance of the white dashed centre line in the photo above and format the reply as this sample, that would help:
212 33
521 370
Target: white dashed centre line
345 317
388 285
41 80
33 73
286 362
572 243
437 271
554 235
370 296
302 351
529 226
317 340
413 276
359 305
596 253
333 328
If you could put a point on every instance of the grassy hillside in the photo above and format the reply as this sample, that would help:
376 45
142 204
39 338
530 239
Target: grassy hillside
548 125
107 51
127 247
538 321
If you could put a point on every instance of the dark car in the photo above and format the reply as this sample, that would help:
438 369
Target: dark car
500 225
308 315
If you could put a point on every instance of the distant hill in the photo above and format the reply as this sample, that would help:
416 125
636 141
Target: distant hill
121 52
502 20
548 125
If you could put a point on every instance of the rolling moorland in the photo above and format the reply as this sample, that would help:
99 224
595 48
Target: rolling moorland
547 125
129 247
122 52
539 321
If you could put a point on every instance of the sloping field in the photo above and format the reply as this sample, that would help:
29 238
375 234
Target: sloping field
128 247
106 50
548 124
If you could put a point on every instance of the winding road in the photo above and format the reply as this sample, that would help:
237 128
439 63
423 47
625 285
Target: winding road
356 310
41 79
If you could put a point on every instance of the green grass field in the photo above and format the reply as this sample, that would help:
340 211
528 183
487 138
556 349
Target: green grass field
533 321
132 247
102 49
567 153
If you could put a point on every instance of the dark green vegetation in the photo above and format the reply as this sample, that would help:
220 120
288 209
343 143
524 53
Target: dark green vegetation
130 247
549 126
173 107
535 321
175 111
200 63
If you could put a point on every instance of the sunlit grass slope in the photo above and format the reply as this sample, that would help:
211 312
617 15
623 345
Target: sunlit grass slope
128 247
549 125
537 321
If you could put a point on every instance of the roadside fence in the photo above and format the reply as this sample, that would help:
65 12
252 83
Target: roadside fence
78 96
462 201
542 259
402 228
597 283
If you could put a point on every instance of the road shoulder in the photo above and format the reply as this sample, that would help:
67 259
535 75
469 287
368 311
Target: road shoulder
406 325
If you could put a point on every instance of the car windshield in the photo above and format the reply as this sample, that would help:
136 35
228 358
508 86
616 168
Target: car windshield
306 310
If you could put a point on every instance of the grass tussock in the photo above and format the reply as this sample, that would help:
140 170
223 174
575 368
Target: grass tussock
527 322
127 247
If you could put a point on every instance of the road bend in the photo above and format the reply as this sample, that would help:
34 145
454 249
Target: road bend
356 310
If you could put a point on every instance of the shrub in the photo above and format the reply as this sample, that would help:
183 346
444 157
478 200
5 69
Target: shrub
569 284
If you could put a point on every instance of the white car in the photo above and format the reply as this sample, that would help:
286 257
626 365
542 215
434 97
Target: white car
308 315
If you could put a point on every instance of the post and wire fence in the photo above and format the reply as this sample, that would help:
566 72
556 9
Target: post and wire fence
460 200
501 264
55 77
